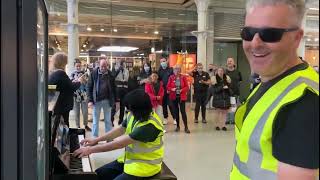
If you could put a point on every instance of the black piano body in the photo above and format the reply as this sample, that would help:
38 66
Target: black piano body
64 141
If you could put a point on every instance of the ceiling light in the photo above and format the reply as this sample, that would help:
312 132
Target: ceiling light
117 48
156 32
58 14
84 45
182 14
89 29
38 25
82 50
115 30
316 39
308 39
146 32
316 9
101 29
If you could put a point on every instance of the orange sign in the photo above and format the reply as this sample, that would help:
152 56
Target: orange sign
187 62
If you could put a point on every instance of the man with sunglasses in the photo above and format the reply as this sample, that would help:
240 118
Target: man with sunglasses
277 128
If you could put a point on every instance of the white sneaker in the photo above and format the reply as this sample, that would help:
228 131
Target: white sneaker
165 121
174 122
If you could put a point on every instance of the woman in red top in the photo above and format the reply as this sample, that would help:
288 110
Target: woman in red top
177 88
154 89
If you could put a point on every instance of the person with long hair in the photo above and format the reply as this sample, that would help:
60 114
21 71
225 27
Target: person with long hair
140 134
65 86
143 77
155 90
178 88
221 99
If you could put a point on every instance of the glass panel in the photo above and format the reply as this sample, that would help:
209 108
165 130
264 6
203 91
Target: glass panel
41 111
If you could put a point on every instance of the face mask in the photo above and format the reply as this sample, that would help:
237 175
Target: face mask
164 65
147 69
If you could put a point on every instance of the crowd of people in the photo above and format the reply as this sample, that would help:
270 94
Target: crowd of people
104 88
276 128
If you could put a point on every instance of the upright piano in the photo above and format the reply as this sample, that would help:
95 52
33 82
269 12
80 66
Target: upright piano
64 141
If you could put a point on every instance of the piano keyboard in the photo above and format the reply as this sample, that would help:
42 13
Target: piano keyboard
86 166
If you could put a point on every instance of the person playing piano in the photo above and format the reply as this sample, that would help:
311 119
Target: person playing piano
141 136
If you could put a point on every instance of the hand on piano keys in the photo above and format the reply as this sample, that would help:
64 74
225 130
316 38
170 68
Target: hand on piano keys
88 142
82 151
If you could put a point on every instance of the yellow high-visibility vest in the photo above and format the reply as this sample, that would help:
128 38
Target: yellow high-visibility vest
253 157
143 159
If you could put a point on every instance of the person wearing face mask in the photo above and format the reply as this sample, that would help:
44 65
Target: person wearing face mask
143 77
201 85
101 94
164 73
178 88
80 96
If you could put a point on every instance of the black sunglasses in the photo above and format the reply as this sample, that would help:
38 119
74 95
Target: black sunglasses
269 35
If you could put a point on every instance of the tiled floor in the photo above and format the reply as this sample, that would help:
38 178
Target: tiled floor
205 154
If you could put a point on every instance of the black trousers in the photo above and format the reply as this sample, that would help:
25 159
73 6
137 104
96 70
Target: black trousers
115 171
65 117
177 106
121 93
201 102
165 105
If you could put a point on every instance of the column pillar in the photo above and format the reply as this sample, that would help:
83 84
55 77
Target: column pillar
202 9
73 34
302 46
210 40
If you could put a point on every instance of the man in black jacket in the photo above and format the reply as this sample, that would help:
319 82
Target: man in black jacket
101 94
164 73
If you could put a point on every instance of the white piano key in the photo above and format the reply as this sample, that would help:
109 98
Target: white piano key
86 167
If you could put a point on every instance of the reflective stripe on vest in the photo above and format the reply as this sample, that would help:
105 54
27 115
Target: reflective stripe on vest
138 149
153 162
252 169
143 159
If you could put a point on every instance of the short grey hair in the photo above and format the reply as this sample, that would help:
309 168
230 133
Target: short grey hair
297 5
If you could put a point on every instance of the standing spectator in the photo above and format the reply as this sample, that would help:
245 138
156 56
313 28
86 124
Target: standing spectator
201 85
236 78
212 73
155 90
101 94
143 77
132 81
164 73
212 69
65 86
80 96
221 98
178 88
121 74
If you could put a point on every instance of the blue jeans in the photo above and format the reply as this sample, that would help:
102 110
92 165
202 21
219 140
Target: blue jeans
114 171
96 116
84 110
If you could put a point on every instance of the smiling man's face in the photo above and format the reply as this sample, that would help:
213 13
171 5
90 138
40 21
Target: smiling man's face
271 59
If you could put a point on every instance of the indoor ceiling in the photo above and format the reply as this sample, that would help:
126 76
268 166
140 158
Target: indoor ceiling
134 22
